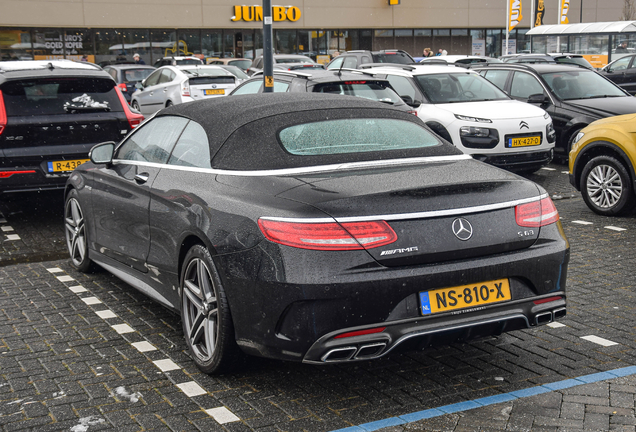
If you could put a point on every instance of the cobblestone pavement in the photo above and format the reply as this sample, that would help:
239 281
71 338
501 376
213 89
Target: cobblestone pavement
86 353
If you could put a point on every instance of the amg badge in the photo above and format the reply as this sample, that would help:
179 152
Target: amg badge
399 251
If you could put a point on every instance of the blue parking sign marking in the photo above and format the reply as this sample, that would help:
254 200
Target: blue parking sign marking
426 305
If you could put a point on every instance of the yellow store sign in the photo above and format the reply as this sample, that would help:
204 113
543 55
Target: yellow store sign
255 13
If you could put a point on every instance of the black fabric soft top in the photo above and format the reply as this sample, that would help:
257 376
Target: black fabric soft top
220 117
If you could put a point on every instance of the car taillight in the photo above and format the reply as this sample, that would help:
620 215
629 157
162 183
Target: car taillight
360 332
536 214
3 114
122 86
7 174
328 236
414 112
134 119
185 88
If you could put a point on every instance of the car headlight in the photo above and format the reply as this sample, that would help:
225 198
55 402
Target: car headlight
472 119
578 137
546 115
474 131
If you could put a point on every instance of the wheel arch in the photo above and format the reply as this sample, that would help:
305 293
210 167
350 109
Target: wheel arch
602 148
440 130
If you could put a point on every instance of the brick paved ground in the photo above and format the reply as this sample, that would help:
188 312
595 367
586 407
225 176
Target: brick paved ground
64 367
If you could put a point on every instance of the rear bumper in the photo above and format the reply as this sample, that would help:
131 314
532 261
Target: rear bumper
518 161
28 178
418 335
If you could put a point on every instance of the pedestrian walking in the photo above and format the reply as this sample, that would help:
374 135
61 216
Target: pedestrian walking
138 60
427 52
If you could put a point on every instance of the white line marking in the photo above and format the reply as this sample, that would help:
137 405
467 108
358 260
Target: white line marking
54 270
105 314
13 237
78 289
609 227
65 278
144 346
582 222
7 228
565 172
556 325
191 389
123 328
166 365
3 220
222 415
548 169
91 300
599 340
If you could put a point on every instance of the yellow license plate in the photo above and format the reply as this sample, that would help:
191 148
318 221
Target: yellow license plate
67 165
466 296
525 141
215 92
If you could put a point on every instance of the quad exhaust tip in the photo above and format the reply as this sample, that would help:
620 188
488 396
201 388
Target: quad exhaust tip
364 352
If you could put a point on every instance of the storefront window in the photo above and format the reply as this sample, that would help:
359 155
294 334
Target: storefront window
15 45
350 40
320 41
523 41
383 40
108 46
137 42
211 44
258 45
493 43
49 44
248 44
163 43
404 41
422 39
365 41
460 42
79 45
285 42
442 41
478 42
190 43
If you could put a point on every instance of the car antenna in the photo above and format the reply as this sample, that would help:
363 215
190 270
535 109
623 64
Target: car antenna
50 66
340 69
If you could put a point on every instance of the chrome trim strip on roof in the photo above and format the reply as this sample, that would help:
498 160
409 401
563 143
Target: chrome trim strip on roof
418 215
305 170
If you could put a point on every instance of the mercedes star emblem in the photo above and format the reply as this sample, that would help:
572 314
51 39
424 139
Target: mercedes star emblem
462 229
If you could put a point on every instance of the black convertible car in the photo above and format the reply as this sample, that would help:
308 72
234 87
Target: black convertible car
315 228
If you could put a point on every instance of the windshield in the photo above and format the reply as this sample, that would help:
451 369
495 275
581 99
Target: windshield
136 75
202 71
458 87
236 71
188 62
371 90
293 60
243 64
355 136
574 60
581 84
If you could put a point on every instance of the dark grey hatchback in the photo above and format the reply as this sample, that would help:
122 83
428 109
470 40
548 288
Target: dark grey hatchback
315 228
51 114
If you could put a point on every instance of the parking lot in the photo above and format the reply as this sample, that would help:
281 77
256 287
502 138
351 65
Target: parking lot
87 352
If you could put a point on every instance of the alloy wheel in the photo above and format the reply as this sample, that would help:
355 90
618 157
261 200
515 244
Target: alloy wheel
604 186
75 232
200 310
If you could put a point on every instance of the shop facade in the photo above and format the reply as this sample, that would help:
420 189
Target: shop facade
114 30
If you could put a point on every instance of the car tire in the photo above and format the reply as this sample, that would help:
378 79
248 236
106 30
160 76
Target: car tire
76 233
606 186
168 104
135 105
205 315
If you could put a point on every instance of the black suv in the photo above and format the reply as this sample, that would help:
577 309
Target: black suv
353 59
51 114
573 95
350 83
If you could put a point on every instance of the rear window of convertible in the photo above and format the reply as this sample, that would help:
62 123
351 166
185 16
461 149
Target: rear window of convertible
354 136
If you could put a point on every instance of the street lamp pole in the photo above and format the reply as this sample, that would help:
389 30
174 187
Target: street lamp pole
268 54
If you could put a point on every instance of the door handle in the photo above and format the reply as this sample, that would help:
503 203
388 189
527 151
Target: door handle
142 178
165 90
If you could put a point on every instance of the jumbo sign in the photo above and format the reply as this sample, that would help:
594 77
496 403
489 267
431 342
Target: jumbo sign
255 13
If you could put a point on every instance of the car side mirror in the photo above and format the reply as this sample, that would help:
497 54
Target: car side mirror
139 86
538 98
407 99
102 153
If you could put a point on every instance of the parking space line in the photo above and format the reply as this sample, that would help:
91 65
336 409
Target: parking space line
548 169
565 172
556 325
599 340
54 270
7 228
221 415
491 400
12 237
3 220
582 222
613 228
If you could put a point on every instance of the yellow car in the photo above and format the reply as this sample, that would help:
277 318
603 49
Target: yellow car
602 164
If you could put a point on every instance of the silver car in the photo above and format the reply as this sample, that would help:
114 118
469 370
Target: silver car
173 85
